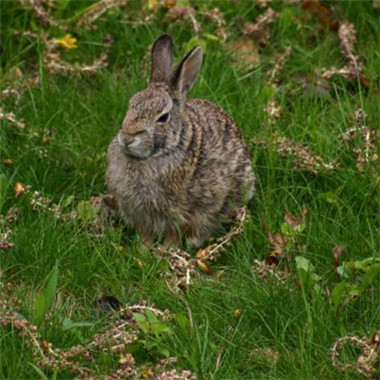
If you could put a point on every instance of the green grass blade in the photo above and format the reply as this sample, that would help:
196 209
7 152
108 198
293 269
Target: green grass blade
46 297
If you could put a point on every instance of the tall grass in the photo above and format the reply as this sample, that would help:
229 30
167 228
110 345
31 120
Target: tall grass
85 111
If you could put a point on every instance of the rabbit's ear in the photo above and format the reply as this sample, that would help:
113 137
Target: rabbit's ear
162 59
186 73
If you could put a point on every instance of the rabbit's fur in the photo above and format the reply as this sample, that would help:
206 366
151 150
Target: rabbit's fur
177 166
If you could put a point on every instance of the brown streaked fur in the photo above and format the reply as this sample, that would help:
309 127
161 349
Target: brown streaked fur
184 175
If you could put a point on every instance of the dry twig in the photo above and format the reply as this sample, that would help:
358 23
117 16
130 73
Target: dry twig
182 266
11 118
101 7
42 14
272 109
367 362
354 69
305 158
365 137
259 31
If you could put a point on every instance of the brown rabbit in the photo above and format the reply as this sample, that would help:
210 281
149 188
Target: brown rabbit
177 166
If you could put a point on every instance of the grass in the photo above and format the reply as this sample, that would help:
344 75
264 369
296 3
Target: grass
86 111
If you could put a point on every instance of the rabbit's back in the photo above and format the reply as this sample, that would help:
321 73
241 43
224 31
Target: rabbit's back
224 174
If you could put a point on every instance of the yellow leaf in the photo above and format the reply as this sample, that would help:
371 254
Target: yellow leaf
8 161
68 42
50 4
18 189
150 4
238 313
203 266
147 373
170 3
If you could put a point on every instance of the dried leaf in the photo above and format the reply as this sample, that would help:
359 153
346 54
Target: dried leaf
297 220
204 253
203 266
323 13
9 161
279 243
18 189
337 253
375 339
169 3
150 4
244 54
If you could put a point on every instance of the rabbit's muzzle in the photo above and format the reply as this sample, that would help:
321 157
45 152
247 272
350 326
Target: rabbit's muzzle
139 145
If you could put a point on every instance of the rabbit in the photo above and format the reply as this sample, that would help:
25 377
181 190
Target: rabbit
177 167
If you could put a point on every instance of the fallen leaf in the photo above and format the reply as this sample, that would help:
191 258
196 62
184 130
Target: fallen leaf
203 267
18 189
150 4
170 3
244 54
8 161
295 221
50 5
279 243
324 14
337 253
375 339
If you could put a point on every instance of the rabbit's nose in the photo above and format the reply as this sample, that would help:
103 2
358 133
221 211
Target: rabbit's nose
128 141
124 139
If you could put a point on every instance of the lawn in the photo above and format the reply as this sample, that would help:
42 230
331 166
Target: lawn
290 290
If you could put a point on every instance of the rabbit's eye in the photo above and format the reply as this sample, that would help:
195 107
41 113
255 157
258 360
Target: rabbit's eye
163 118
